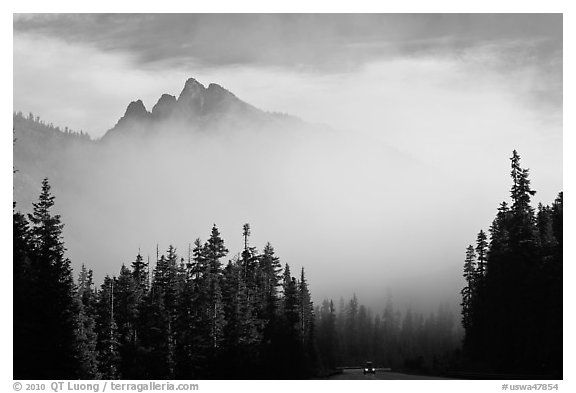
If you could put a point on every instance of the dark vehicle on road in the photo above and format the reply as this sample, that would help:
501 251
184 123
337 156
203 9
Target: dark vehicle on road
369 368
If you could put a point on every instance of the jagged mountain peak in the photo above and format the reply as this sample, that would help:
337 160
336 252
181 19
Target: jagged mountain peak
165 106
196 108
136 109
192 88
136 113
193 83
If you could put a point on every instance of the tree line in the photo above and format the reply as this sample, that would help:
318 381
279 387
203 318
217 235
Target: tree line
512 301
188 318
401 340
35 122
196 316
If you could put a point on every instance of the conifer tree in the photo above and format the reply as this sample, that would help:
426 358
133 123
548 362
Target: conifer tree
171 280
25 284
291 301
214 250
86 335
252 281
557 220
200 278
271 276
107 331
197 266
482 253
57 306
521 191
157 326
306 322
290 362
305 310
127 307
185 325
233 288
249 260
140 274
240 336
469 293
141 287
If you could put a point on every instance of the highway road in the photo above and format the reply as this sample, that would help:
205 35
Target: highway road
380 374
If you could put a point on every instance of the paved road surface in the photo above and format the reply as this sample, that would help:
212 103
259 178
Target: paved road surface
359 374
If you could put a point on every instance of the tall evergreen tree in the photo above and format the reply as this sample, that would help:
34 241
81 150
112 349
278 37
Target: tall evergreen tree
86 334
140 274
24 284
56 308
200 315
288 342
214 251
140 284
521 191
482 253
127 306
107 332
170 289
252 281
306 322
305 310
468 294
241 336
291 302
185 325
271 276
157 324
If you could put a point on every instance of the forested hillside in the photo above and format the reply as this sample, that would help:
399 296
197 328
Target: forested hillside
42 149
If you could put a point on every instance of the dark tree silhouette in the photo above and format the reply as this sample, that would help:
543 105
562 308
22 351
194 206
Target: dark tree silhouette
55 307
107 332
513 315
25 282
86 333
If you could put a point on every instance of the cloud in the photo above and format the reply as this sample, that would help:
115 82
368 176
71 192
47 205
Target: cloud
455 92
328 201
99 62
323 41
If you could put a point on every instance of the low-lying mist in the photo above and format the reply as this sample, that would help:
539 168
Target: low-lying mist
359 216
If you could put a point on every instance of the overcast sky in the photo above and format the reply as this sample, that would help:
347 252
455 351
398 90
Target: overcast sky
453 92
290 63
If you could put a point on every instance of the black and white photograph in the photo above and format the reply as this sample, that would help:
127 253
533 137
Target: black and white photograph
287 196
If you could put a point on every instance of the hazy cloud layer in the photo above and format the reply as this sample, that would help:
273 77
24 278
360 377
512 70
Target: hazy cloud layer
333 41
99 62
454 93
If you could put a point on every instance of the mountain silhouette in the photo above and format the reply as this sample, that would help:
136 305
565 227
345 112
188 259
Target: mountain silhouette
196 109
